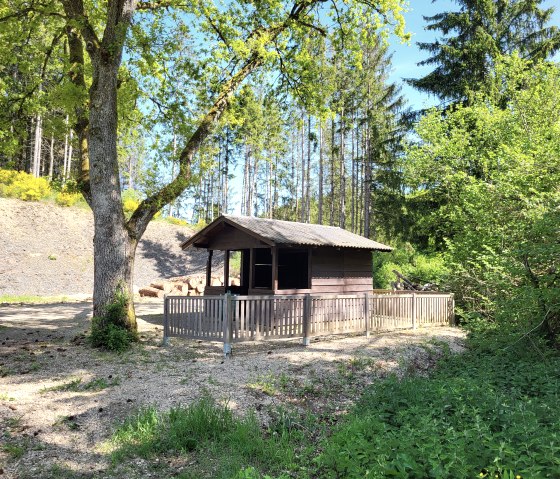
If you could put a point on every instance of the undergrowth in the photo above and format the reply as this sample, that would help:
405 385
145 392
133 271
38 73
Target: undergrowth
109 331
225 446
481 414
490 412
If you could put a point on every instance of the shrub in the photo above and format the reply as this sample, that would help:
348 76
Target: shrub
481 414
176 221
21 185
67 199
110 331
131 199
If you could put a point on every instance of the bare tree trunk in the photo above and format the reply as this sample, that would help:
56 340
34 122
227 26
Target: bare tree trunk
308 173
38 138
342 174
367 180
320 199
70 151
51 158
333 129
353 176
302 151
226 174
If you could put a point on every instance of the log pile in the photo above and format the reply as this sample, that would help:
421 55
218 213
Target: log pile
182 286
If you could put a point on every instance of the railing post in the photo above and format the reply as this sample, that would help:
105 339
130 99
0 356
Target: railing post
414 325
228 330
451 309
165 341
306 318
366 313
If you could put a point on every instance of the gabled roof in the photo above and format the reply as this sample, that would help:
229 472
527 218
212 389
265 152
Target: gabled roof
277 232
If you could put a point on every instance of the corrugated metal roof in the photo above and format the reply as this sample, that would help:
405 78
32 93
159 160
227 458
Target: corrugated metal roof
305 234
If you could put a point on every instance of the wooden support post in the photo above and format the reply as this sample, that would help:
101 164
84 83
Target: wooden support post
366 313
209 268
414 325
226 270
228 326
165 322
451 310
306 318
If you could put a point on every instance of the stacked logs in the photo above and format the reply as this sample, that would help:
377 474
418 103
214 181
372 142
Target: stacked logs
182 286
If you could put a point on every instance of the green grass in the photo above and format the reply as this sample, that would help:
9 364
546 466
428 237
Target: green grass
32 299
491 412
223 444
77 385
15 451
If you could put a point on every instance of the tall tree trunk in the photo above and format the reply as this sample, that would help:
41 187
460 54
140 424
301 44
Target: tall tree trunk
38 138
114 248
342 174
308 173
333 163
51 158
226 173
302 151
320 199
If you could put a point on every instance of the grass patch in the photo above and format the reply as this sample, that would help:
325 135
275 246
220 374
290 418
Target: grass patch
270 384
78 385
6 397
32 299
480 414
15 451
225 446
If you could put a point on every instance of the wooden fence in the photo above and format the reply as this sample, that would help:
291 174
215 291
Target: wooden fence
230 318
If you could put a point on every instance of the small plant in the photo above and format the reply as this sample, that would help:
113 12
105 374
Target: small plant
109 331
67 199
78 385
265 383
52 257
6 397
15 451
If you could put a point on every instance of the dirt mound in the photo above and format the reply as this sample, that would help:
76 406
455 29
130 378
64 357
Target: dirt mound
47 249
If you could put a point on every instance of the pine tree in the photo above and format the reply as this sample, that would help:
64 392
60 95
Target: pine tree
475 36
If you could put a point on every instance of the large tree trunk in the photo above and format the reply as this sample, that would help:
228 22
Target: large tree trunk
114 247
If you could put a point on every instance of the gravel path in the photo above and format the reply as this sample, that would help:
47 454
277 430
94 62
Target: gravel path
43 352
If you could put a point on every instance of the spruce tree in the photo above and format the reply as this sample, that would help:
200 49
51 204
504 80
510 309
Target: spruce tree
474 36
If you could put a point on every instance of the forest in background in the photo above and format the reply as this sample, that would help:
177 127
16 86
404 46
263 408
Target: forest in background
466 192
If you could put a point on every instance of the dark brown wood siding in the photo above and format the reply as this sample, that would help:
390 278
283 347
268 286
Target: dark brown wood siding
231 238
341 271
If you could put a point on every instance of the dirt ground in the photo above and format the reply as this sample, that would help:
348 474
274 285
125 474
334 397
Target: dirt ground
60 400
47 250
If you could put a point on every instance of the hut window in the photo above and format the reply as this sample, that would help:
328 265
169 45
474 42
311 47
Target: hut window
293 271
263 268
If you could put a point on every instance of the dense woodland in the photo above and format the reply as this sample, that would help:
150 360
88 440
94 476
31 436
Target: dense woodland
466 192
462 190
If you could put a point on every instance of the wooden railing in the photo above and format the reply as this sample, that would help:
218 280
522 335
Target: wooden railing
230 318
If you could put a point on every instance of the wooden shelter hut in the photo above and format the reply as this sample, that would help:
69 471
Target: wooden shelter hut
287 258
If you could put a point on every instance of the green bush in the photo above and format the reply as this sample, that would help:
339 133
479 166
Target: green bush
481 414
418 267
110 331
21 185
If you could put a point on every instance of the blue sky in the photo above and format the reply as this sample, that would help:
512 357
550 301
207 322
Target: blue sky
405 57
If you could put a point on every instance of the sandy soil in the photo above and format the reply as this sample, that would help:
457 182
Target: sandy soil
42 348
